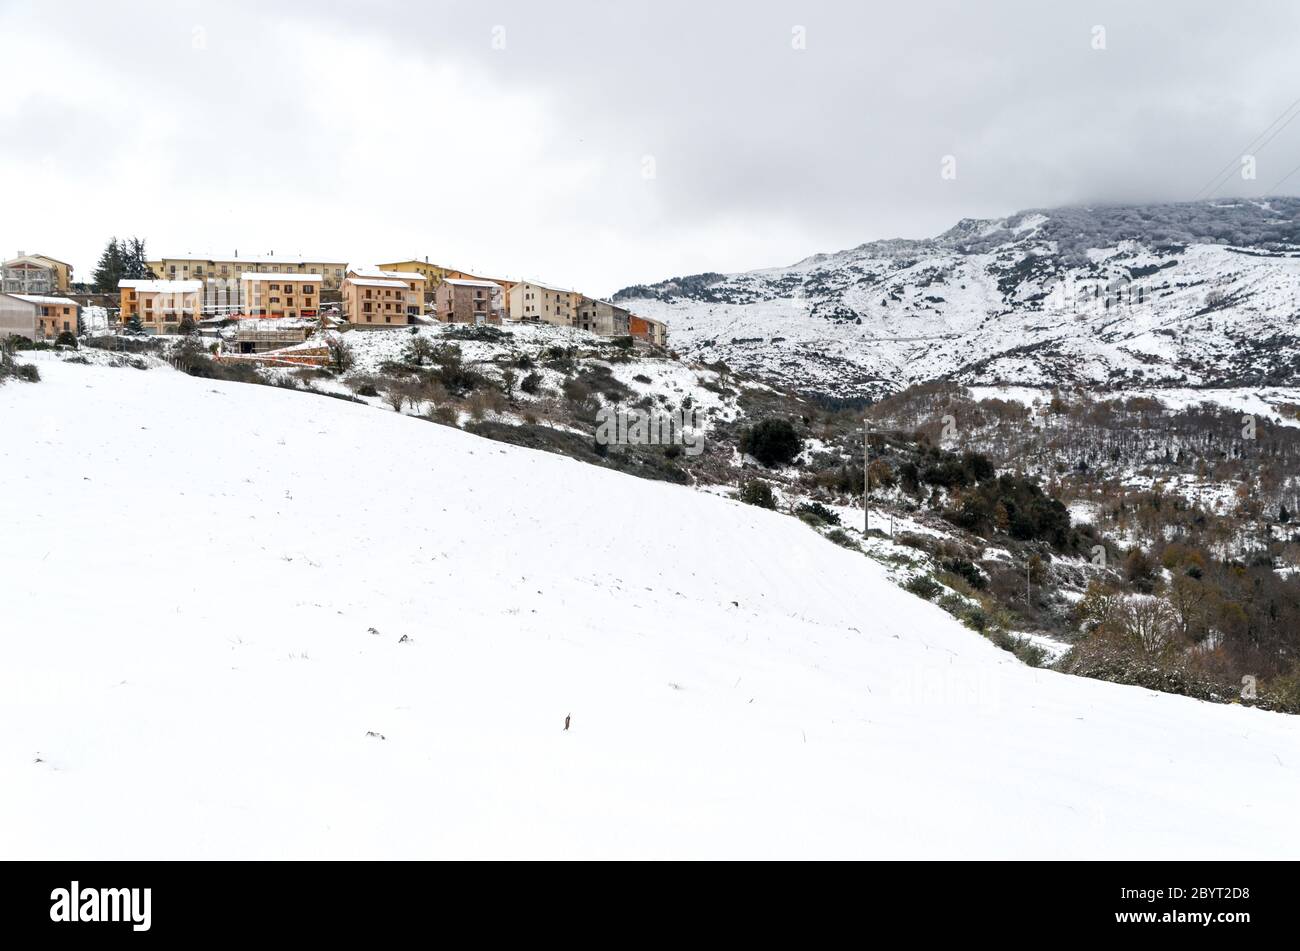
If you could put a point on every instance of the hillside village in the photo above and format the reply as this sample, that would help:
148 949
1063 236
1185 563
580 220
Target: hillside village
255 307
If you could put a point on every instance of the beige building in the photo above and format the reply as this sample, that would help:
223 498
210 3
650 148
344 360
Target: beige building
462 301
280 295
160 305
534 301
217 270
36 316
374 297
35 274
603 317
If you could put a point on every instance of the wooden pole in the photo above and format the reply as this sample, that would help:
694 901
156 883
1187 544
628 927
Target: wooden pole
866 476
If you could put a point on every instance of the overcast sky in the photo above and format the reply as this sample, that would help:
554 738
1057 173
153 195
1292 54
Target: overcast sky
601 144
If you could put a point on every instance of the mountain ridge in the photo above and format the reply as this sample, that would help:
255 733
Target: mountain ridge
1187 294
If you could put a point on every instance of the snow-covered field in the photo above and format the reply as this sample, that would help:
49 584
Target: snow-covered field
239 621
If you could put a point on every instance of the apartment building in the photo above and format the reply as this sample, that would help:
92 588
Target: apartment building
160 305
435 274
230 271
648 329
376 297
537 302
602 317
35 274
36 316
275 294
462 301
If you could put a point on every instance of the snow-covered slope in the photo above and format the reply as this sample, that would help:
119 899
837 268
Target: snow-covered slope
1199 294
242 621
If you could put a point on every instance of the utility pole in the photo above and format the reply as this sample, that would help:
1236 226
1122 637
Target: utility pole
866 475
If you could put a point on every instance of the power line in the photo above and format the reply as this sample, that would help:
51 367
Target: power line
1282 179
1254 145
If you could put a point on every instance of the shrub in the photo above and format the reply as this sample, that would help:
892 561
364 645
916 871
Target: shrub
66 339
458 379
817 512
772 442
757 492
486 333
531 384
342 359
966 570
419 351
1140 571
206 368
923 586
187 353
842 538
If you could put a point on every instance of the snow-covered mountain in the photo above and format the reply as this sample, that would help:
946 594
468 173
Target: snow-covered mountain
1193 294
240 621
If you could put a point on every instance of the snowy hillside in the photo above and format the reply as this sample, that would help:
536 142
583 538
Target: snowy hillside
1201 294
240 621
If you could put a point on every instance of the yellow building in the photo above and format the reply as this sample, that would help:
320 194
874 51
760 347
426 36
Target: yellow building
160 305
375 297
37 317
213 270
435 274
535 301
280 295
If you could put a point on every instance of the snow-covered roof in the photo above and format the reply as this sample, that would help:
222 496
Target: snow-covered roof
468 283
370 270
39 260
279 276
548 287
229 259
375 282
39 299
162 287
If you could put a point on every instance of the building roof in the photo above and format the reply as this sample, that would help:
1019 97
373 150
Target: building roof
371 270
162 287
279 276
38 260
40 299
375 282
549 287
230 259
465 282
